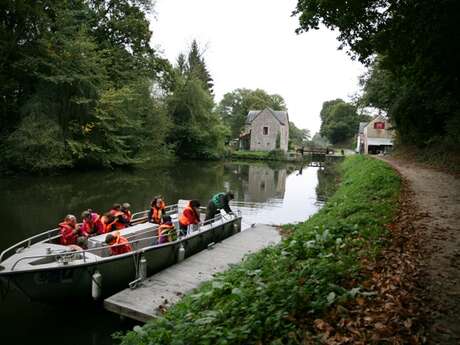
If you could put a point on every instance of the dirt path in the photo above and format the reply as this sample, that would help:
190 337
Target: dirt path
436 201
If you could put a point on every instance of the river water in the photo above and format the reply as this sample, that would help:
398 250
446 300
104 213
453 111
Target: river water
270 194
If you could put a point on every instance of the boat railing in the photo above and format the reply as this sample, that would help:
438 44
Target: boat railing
137 218
28 242
222 219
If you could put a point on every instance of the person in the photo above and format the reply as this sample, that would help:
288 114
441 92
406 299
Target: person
70 232
157 210
190 215
219 201
120 218
125 208
118 244
167 231
92 224
108 223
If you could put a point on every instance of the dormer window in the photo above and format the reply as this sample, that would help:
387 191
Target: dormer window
379 125
265 130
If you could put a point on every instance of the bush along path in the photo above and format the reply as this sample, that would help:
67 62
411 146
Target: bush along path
317 286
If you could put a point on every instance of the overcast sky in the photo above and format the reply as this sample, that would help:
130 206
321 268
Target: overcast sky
252 44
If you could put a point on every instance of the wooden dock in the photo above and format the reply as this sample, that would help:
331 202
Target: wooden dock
168 286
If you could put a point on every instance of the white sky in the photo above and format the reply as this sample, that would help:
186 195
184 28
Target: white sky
252 44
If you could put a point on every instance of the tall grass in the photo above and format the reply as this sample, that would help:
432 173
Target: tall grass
263 299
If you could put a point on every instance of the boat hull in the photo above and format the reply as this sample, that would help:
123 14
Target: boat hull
76 281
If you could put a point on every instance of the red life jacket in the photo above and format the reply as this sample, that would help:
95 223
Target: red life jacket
189 216
128 215
93 226
120 246
157 213
67 235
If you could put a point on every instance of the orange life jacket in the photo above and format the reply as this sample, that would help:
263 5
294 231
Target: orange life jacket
118 224
157 213
189 216
106 226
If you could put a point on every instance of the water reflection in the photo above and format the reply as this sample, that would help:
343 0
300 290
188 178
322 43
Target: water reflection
266 193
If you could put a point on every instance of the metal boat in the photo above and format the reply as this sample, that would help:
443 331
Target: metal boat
47 271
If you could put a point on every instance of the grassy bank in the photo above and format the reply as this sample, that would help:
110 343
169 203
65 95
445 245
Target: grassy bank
274 295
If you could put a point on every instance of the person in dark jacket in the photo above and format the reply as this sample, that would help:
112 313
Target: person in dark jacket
220 201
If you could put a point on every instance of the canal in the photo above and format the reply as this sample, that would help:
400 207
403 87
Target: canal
265 193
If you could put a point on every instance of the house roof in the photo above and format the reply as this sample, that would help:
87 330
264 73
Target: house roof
281 116
361 126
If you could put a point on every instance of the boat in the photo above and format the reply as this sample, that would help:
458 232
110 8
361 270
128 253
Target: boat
46 271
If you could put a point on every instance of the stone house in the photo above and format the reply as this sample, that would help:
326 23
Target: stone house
265 130
375 136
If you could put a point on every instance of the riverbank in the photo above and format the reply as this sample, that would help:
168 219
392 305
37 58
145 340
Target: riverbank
282 293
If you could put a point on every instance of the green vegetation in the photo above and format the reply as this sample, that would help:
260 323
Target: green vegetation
77 79
409 45
298 137
339 121
198 131
82 87
274 295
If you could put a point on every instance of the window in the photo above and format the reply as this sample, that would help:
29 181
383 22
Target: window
379 125
265 130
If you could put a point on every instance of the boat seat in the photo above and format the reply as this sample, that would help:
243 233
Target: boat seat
136 232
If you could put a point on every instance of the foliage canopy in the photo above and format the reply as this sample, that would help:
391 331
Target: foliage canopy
416 77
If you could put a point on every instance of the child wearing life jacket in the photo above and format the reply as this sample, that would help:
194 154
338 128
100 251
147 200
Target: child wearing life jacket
92 224
108 223
157 210
70 232
120 218
167 231
190 216
118 244
127 215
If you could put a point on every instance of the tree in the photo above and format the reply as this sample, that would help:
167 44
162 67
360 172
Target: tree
235 105
318 141
297 136
198 132
417 58
339 121
380 88
85 69
195 66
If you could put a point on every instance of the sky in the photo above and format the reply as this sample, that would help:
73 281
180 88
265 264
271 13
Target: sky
252 44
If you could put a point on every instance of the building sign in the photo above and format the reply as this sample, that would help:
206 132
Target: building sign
379 125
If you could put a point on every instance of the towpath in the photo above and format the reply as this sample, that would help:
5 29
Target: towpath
436 203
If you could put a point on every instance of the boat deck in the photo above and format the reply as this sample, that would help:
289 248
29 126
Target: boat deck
166 287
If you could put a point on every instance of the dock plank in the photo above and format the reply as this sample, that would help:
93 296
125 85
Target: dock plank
168 286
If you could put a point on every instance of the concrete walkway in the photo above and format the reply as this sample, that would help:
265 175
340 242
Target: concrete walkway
168 286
